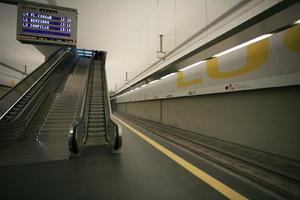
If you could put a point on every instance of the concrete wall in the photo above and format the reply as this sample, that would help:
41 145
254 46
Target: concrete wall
122 107
266 119
145 109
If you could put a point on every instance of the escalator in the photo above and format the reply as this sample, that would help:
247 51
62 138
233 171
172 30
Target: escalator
96 120
19 105
95 129
71 92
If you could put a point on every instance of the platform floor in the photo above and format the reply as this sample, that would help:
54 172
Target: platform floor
141 171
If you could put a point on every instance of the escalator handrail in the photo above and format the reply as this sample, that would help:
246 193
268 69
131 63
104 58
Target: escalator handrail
106 96
52 65
84 103
111 124
14 129
28 75
82 119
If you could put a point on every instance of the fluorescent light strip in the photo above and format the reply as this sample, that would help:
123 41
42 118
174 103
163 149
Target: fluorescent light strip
168 75
191 66
84 51
297 22
243 45
153 82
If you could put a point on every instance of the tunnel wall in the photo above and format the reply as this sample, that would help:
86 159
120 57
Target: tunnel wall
265 119
146 109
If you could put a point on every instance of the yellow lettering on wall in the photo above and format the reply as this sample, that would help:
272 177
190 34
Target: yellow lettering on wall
292 39
257 55
12 83
182 83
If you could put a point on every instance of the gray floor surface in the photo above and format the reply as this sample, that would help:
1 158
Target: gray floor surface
139 172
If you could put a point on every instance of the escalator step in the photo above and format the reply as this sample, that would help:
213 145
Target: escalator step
94 103
96 120
12 113
93 130
97 109
16 108
96 106
97 112
97 100
97 115
95 125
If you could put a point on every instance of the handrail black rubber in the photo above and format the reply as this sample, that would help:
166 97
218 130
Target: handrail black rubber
74 144
113 130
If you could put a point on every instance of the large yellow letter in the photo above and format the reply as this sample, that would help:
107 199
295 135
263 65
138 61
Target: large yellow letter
12 83
292 38
182 83
257 55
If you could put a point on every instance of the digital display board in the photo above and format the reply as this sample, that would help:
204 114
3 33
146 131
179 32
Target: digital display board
40 24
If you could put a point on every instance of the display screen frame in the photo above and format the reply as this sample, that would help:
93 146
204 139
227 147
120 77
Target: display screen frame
46 24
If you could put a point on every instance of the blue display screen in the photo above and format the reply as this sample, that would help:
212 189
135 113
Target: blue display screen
34 21
41 21
46 32
42 16
39 26
49 24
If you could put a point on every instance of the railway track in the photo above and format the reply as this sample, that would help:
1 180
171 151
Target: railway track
282 183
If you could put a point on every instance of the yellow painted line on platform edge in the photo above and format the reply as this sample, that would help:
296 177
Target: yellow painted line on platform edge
217 185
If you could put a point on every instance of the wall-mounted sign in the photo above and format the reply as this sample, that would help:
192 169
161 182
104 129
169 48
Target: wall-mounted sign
40 23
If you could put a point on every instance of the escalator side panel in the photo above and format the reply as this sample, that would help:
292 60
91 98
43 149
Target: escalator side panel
14 129
12 96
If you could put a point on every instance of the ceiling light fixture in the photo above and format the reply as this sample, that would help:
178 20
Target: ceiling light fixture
168 75
243 45
193 65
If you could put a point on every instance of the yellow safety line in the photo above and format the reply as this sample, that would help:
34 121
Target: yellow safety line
217 185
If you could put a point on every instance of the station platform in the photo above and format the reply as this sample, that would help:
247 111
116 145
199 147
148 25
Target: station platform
148 167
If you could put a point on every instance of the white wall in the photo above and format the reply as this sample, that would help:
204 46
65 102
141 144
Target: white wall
128 29
12 52
112 26
177 20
